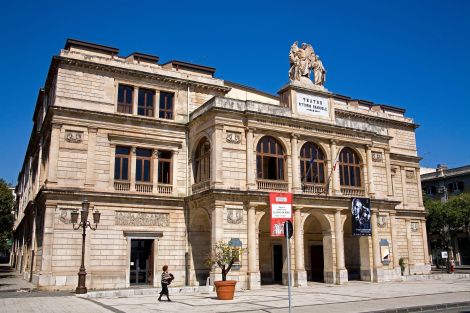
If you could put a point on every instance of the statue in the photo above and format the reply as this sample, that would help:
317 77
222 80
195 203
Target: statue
302 61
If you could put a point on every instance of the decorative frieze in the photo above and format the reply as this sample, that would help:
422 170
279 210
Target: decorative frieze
234 137
141 219
73 136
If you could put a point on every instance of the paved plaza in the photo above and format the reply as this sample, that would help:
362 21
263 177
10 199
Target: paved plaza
17 295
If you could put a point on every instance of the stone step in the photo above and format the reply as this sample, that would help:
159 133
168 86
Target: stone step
434 276
144 291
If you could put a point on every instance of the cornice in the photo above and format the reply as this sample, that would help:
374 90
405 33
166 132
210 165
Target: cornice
60 60
341 112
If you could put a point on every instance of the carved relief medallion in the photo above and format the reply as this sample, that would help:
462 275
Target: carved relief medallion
64 216
382 221
73 136
234 137
410 174
377 156
234 216
415 226
141 219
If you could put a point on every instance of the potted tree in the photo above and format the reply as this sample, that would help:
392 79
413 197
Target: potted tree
224 256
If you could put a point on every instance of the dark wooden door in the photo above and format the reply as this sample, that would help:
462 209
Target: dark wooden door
139 265
277 263
316 254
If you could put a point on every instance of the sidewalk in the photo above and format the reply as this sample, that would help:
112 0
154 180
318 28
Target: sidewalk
353 297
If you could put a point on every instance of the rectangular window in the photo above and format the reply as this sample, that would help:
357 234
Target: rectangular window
146 101
143 167
121 163
164 167
166 105
124 103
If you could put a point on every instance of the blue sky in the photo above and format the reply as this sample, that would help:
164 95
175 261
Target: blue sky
410 54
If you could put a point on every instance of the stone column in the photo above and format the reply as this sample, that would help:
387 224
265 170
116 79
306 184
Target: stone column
388 172
112 160
335 180
45 275
90 162
341 271
216 155
420 188
155 171
254 279
425 244
378 268
53 154
296 187
135 103
403 186
409 242
300 274
217 234
133 168
393 230
370 171
250 171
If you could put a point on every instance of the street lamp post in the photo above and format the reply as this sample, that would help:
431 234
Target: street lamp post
84 224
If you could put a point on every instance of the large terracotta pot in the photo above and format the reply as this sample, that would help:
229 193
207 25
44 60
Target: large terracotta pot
225 289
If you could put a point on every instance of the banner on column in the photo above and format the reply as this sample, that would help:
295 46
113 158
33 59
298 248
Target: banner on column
281 211
360 211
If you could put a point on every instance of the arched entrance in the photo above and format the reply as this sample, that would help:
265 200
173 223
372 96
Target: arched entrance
199 240
318 247
356 253
272 253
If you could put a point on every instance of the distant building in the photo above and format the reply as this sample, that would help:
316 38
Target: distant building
441 184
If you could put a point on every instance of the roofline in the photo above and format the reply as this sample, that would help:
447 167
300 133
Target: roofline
192 66
250 88
144 56
74 42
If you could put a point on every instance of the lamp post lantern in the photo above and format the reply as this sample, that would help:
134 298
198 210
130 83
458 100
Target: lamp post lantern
84 224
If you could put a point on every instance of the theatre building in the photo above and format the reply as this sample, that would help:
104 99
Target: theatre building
176 160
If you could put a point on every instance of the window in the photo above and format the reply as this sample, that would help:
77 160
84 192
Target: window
460 186
270 159
166 105
142 168
164 167
349 168
125 95
202 171
146 102
121 163
455 187
314 172
433 190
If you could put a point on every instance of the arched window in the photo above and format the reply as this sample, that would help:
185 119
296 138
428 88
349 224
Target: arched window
202 161
270 159
312 164
349 168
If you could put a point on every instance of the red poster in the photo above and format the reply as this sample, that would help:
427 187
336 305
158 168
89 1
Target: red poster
281 211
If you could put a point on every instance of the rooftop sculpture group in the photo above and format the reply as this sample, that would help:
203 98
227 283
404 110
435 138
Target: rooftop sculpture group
302 61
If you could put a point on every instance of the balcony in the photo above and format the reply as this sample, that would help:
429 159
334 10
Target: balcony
122 185
201 186
164 189
272 185
143 187
353 191
314 189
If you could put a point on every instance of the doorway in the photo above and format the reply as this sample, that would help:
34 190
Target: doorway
277 263
141 263
317 263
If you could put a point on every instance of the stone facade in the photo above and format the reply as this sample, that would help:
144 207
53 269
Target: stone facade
72 156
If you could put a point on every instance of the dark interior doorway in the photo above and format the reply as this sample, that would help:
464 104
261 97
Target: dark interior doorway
141 265
317 264
277 263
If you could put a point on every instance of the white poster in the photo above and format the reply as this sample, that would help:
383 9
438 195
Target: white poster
281 211
312 105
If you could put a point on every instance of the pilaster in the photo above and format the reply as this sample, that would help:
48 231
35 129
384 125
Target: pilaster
341 271
250 171
370 171
378 269
254 277
90 163
300 274
53 154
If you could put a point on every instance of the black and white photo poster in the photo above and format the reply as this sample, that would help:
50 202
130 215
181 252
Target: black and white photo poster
360 211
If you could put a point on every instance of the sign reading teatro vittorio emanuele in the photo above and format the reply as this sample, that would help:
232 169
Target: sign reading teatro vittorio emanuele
312 105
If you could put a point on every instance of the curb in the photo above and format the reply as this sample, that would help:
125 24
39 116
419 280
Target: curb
425 307
144 291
